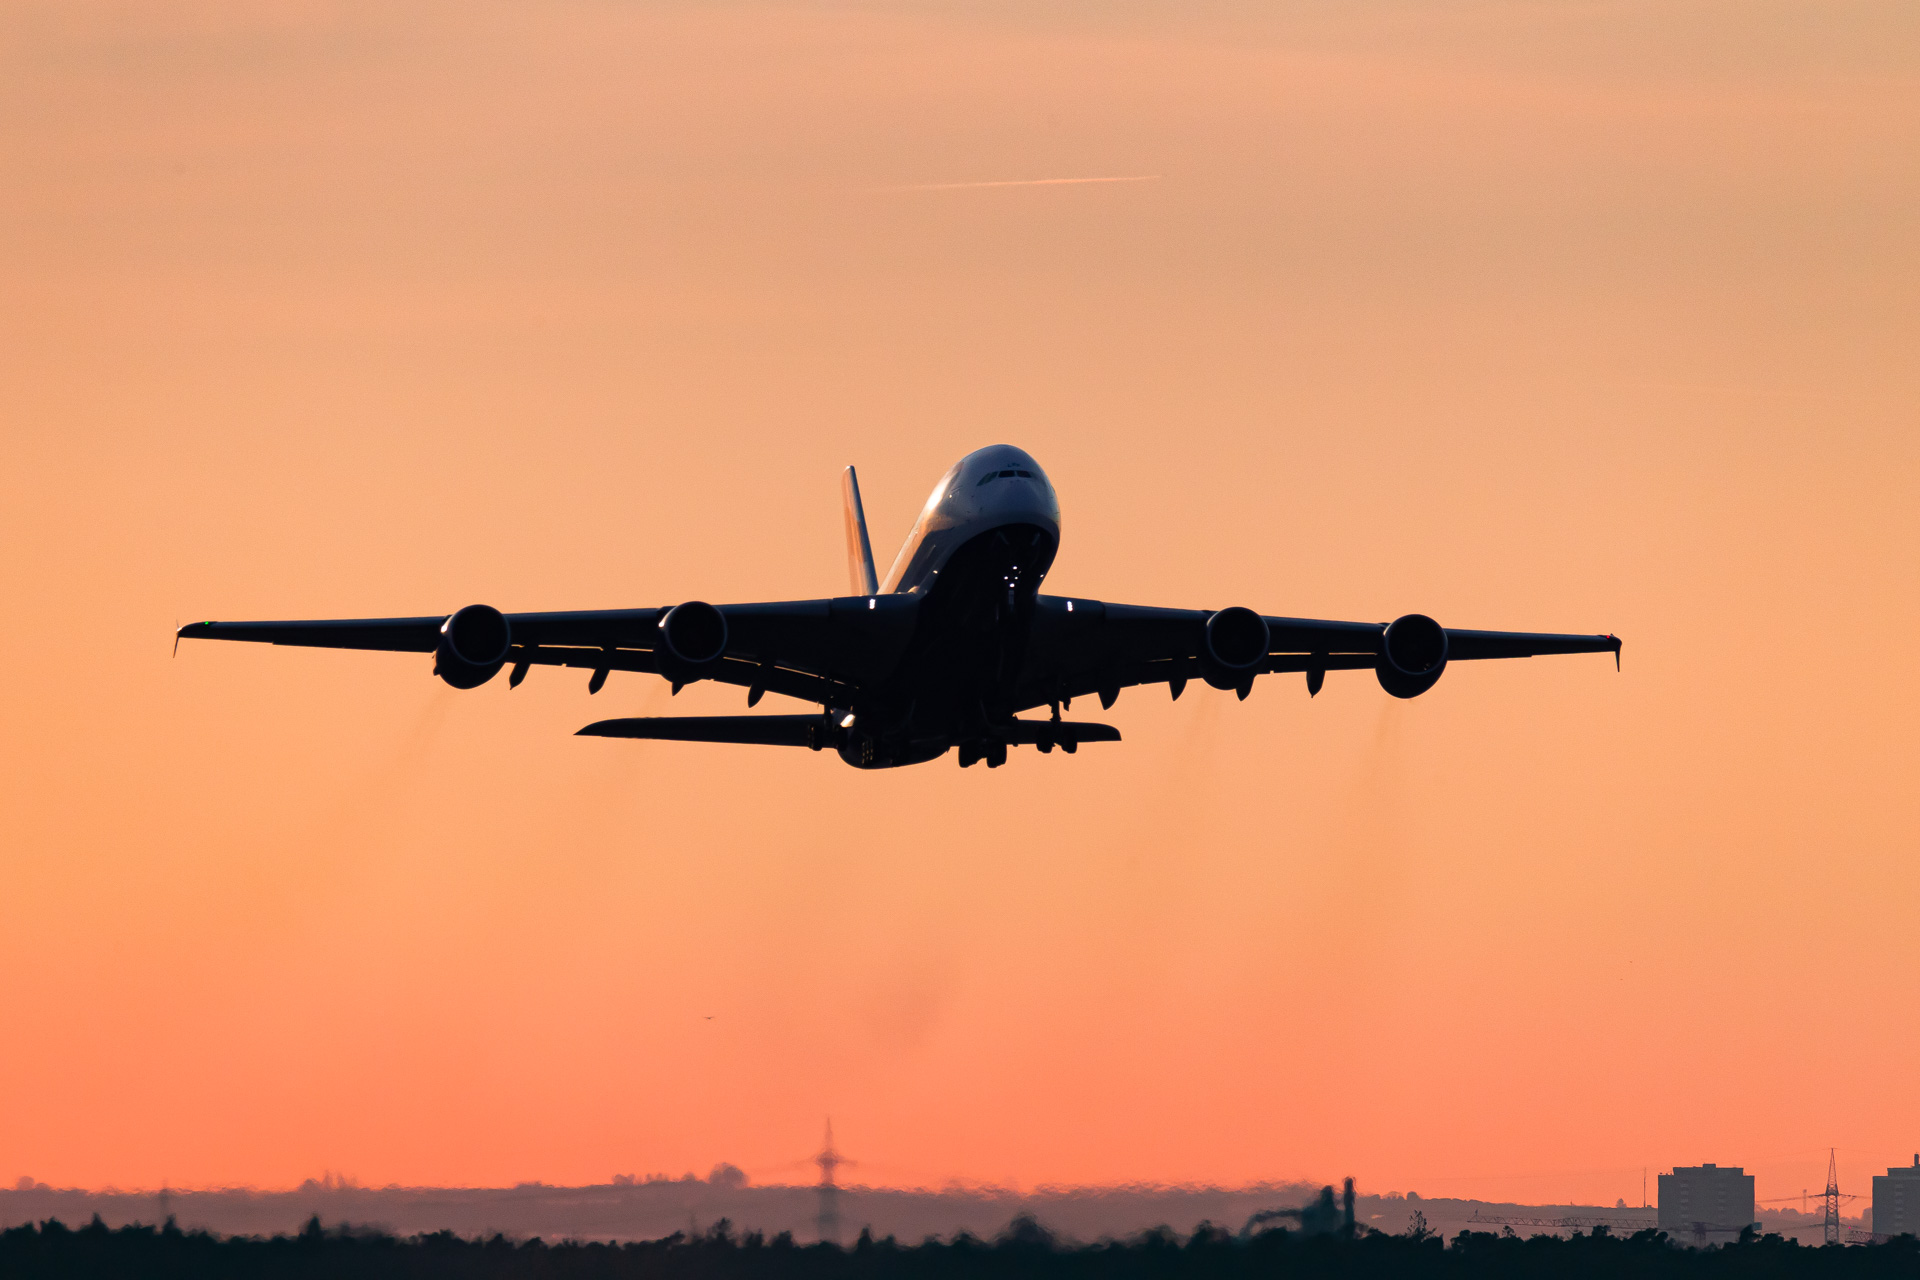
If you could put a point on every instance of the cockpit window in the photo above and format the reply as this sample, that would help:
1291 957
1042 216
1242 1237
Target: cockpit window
1009 474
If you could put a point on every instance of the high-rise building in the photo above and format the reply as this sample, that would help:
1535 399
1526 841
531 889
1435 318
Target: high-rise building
1896 1201
1705 1198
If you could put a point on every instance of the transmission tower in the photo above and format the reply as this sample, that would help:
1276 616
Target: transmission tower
828 1220
1832 1198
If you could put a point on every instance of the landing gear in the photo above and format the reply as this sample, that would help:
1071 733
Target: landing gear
994 753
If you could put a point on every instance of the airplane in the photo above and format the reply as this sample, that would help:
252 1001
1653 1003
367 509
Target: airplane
944 654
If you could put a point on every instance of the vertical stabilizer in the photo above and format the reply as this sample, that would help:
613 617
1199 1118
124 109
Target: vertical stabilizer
859 549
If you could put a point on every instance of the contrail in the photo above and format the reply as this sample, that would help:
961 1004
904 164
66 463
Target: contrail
1021 182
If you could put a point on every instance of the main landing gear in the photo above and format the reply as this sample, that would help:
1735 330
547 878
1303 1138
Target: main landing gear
994 753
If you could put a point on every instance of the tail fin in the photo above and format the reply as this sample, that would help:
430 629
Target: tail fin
859 550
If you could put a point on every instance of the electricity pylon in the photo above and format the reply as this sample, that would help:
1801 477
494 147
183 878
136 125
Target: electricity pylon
828 1220
1832 1198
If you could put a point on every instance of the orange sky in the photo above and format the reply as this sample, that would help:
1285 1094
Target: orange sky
1594 317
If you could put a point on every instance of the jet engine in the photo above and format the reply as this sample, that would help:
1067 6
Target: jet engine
1413 653
1233 648
473 645
693 636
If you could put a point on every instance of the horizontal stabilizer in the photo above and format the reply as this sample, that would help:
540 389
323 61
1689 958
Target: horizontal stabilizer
1034 732
766 731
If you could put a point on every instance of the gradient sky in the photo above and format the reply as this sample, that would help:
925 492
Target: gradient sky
1585 317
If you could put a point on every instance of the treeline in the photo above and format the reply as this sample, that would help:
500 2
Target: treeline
1024 1252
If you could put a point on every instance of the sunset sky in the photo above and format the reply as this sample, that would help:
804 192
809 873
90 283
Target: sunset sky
1562 316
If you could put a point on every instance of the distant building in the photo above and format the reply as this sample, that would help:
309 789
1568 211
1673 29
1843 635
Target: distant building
1896 1202
1705 1198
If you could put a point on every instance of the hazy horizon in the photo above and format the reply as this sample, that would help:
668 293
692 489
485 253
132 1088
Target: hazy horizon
1592 317
653 1209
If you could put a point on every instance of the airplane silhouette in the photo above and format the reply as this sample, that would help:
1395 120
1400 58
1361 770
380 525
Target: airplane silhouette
944 654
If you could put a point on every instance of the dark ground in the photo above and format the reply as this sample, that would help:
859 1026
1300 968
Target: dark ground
1025 1252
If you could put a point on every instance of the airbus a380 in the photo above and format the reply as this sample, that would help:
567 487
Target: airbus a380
945 653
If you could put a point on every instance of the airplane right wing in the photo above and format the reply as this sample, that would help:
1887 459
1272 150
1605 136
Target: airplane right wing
1083 647
814 650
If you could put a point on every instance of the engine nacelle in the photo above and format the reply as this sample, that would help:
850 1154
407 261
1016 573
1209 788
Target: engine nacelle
473 645
693 638
1413 653
1233 648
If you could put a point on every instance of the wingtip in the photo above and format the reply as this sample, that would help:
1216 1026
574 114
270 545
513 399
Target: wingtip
1616 651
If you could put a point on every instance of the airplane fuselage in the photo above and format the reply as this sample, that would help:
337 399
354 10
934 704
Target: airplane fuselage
973 564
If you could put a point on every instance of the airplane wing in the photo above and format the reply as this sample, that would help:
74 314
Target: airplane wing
825 651
1086 647
814 650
